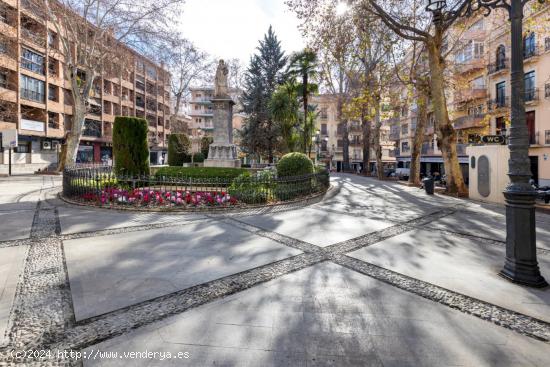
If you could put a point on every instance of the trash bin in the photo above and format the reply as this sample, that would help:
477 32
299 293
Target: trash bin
428 183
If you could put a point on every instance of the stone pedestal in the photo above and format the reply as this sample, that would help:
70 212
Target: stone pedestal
222 152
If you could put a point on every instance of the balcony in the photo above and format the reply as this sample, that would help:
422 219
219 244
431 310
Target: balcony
498 66
473 64
34 37
427 149
531 53
498 103
469 94
531 95
355 129
467 122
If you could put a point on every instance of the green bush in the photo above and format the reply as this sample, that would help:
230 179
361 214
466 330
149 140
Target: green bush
248 189
198 158
205 145
294 164
200 172
130 147
178 149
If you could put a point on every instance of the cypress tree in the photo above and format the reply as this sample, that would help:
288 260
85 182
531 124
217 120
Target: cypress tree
130 148
266 71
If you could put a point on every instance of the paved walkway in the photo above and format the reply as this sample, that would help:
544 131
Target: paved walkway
375 274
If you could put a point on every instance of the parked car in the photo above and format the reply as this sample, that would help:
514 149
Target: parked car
402 173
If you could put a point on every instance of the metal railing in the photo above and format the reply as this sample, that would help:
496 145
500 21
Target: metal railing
100 186
498 66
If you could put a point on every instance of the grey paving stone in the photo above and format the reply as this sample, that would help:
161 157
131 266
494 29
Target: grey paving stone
16 224
423 334
114 271
76 219
316 227
464 265
12 260
489 221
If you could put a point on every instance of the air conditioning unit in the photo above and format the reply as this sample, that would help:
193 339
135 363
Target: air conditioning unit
46 145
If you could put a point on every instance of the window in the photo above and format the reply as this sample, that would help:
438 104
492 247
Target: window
3 14
405 146
547 90
404 129
530 91
477 26
547 137
501 94
32 61
23 148
52 40
52 92
547 44
3 47
52 67
404 111
324 113
32 89
53 122
92 128
478 83
500 126
472 50
324 129
529 46
3 79
151 72
475 110
501 57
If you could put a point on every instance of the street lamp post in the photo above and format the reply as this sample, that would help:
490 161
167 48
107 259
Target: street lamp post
521 264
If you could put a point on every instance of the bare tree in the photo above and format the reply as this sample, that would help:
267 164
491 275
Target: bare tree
188 65
97 37
410 21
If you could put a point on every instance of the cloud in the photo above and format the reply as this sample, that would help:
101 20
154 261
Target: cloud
232 28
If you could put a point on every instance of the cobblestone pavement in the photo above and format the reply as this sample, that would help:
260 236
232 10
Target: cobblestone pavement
375 274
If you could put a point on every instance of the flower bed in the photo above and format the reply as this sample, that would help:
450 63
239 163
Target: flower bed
99 186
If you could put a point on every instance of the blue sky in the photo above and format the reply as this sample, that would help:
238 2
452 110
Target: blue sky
231 28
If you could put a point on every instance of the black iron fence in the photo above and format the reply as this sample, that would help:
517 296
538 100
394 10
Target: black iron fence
101 186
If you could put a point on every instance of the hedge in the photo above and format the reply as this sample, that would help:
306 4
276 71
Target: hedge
200 172
130 147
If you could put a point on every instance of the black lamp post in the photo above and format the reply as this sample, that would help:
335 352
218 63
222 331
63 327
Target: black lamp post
521 264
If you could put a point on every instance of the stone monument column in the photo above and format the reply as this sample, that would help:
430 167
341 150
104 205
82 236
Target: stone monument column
222 152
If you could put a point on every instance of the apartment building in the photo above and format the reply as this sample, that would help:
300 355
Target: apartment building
331 149
201 113
35 97
479 92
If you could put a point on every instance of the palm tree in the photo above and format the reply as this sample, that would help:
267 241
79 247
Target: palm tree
284 107
303 66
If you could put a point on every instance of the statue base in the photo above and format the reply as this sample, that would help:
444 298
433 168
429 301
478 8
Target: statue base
222 155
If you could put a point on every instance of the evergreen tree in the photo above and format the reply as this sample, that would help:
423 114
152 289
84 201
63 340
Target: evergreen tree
260 135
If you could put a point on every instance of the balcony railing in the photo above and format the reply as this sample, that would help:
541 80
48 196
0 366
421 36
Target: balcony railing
470 65
500 102
466 122
427 149
469 94
531 52
33 37
498 66
531 95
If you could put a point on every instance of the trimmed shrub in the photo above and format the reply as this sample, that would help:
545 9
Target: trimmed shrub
200 172
198 158
178 149
130 147
294 164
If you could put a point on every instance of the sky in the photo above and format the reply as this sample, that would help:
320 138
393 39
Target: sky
232 28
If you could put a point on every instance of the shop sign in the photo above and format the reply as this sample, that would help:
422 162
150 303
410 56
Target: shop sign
9 138
493 139
32 125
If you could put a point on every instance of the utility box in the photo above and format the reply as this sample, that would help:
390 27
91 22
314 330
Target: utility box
488 172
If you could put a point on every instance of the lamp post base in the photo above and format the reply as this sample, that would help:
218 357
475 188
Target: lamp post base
521 264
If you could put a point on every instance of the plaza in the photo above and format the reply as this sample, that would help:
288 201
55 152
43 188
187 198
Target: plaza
374 273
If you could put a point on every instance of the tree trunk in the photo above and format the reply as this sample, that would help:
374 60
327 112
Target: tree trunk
421 122
304 96
345 138
366 125
270 142
72 139
376 141
446 134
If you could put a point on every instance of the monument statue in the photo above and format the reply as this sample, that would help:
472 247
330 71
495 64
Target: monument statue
222 152
220 82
